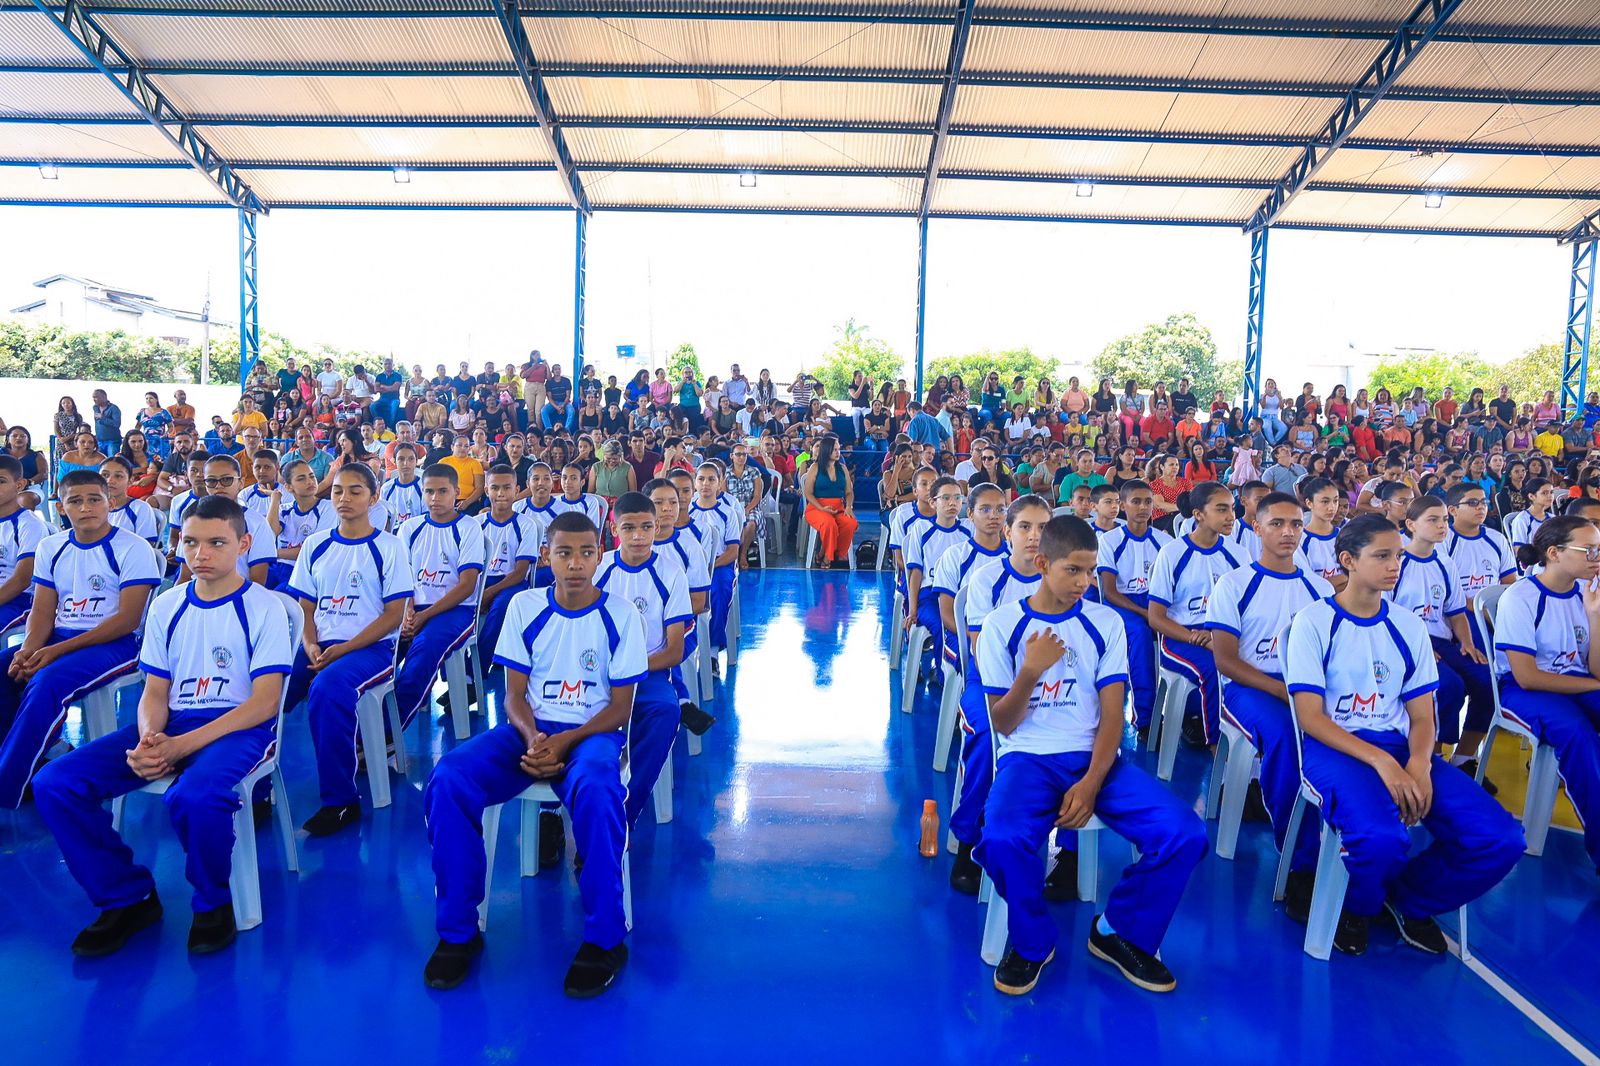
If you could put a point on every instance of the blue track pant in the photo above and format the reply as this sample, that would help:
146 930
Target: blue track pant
1141 664
494 620
278 572
543 577
690 642
722 580
1461 682
31 714
652 730
485 771
1022 809
14 614
1568 724
1475 843
1269 723
424 657
71 794
977 760
1194 662
331 695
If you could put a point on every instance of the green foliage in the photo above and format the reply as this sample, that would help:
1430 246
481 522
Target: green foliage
1180 347
1530 374
683 357
1433 371
975 366
856 349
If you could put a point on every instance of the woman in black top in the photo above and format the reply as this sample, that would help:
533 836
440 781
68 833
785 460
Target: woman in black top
19 445
611 394
514 453
1105 400
613 422
1127 469
1511 498
588 417
991 471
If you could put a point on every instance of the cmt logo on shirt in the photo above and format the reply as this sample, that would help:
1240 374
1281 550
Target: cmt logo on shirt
1267 647
1055 691
200 688
571 693
1197 604
1357 705
433 578
83 607
344 606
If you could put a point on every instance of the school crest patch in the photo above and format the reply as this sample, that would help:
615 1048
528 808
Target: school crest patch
222 657
589 660
1380 670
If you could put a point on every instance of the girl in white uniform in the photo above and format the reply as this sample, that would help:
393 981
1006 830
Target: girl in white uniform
1320 497
1524 525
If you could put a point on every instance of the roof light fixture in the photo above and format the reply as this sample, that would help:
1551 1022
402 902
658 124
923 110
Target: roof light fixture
49 171
1085 189
402 175
1433 198
747 179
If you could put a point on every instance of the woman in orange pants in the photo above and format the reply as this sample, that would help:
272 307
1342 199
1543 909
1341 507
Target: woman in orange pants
830 499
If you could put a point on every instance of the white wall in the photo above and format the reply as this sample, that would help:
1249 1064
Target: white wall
31 402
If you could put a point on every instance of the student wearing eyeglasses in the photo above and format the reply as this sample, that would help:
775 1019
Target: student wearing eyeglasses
1482 558
221 478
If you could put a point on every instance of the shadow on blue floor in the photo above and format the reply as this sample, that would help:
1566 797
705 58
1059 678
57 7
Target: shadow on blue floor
784 912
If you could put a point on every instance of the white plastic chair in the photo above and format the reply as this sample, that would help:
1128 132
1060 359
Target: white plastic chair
1327 898
916 638
98 706
1539 804
704 653
244 879
733 621
897 626
1230 781
371 708
772 507
455 673
811 550
955 676
885 513
1167 723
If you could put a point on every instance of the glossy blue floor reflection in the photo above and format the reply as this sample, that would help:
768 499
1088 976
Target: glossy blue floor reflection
784 913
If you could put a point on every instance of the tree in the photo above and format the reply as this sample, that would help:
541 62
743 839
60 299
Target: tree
975 366
1180 347
683 357
1433 371
1529 374
856 349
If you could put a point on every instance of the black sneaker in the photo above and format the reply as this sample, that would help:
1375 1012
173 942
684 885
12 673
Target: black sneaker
552 839
107 934
1470 768
1016 976
1194 733
694 719
1255 804
1143 733
593 969
1137 965
450 963
329 820
1351 935
966 876
1423 934
1061 886
212 931
1297 895
472 696
261 813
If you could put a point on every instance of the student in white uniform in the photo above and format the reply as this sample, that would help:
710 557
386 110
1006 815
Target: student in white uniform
134 515
573 498
1127 557
214 668
402 494
91 584
1185 572
989 584
1244 533
181 502
1549 661
680 546
1320 497
1430 588
300 516
1105 505
924 546
1248 612
447 552
1482 557
720 539
1361 674
572 656
511 549
354 583
986 510
539 505
1054 669
637 573
1524 525
264 496
918 509
21 530
222 479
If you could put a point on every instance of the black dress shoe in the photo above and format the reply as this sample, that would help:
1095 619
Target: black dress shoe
212 931
450 963
1194 733
593 970
552 839
1061 885
1016 976
330 820
1423 934
1351 935
1255 804
966 876
1470 768
107 934
261 813
1297 895
694 719
1139 966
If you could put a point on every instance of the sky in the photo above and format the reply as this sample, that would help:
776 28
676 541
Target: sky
766 290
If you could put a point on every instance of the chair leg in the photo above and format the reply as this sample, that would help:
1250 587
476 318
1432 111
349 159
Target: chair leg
951 844
455 678
1463 950
1236 783
627 889
1539 806
1327 899
529 811
916 637
481 703
1218 763
491 835
733 627
391 705
994 926
693 743
244 880
1280 884
897 626
116 814
369 716
662 793
948 705
703 658
280 810
1088 864
1171 712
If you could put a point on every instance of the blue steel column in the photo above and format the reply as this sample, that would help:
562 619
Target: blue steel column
922 300
249 326
1255 322
580 279
1580 324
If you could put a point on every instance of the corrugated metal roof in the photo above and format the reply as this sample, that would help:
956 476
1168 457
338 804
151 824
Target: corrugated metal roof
1109 109
61 94
702 98
81 183
621 189
423 187
408 144
62 143
1027 198
346 96
1482 123
30 37
1382 12
748 148
165 41
1504 67
1489 14
1124 158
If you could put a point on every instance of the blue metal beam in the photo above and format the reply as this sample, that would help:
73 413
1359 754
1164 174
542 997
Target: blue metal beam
922 301
153 106
1411 38
249 293
1580 326
580 292
1254 322
533 82
1586 230
947 105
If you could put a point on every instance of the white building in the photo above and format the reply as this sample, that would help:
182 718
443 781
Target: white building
85 304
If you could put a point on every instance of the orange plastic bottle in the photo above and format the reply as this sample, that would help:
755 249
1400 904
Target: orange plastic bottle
930 829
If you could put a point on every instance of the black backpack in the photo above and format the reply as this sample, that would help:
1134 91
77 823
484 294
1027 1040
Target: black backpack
867 555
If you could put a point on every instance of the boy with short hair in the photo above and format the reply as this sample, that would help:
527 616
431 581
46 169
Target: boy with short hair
569 694
91 583
222 479
1105 503
925 544
195 472
1081 502
677 544
1054 670
134 515
263 496
1127 558
214 676
512 543
305 513
21 530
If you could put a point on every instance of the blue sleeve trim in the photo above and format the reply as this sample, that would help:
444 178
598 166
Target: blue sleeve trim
686 619
1153 598
1106 570
392 597
521 668
298 594
153 671
1114 679
1421 690
134 582
617 682
699 588
1225 627
992 691
275 669
1458 610
25 555
1317 689
464 567
45 583
1503 646
913 566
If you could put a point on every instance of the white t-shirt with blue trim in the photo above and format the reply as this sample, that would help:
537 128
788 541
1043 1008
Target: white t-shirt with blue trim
1430 588
1132 559
88 579
1256 604
350 581
1481 561
1185 573
572 659
1550 626
1365 669
505 544
138 518
656 587
211 651
440 553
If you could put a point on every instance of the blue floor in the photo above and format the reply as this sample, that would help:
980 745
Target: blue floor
784 911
